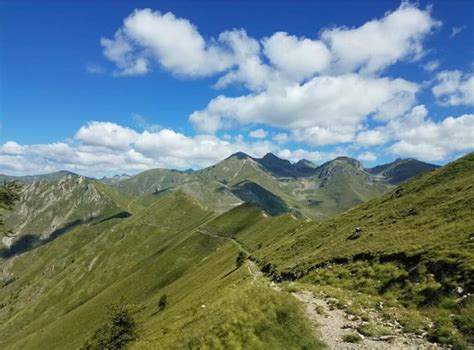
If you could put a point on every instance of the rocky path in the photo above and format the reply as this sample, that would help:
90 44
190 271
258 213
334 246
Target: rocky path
333 324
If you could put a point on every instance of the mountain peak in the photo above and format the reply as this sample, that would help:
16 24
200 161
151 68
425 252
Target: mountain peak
304 163
347 160
239 155
277 166
270 155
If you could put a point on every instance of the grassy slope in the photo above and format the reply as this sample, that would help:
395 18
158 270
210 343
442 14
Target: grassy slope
62 288
415 250
239 179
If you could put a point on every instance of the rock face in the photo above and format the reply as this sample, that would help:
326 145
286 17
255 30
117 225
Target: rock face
48 206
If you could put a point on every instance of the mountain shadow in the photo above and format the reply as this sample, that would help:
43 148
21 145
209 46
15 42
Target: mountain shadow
251 192
32 241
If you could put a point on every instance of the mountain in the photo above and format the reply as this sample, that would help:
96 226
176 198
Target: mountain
53 204
411 249
115 179
397 264
43 177
401 170
301 188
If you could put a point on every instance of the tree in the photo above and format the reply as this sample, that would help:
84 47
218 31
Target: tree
239 261
163 302
9 195
118 330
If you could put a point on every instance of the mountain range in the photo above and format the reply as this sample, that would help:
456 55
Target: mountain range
390 247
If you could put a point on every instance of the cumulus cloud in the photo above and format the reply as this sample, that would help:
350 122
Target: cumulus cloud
175 44
367 157
314 156
296 58
106 134
380 43
320 90
281 138
372 137
325 107
431 66
11 148
434 141
258 134
453 88
105 148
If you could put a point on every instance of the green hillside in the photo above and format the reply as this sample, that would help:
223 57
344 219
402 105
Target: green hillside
411 248
52 205
63 288
277 185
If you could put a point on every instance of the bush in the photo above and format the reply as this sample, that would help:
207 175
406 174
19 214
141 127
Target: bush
239 261
163 302
117 332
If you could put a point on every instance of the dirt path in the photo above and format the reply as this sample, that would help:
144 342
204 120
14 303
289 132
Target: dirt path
332 325
233 240
129 206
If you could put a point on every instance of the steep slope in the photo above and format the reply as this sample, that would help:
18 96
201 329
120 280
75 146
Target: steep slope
301 188
43 177
54 204
401 170
63 287
411 249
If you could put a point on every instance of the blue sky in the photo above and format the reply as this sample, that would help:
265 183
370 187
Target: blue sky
184 84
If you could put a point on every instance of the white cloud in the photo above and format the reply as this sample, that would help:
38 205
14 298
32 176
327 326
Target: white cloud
313 156
281 138
258 134
175 44
453 88
11 148
434 141
431 66
107 148
380 43
106 134
296 58
326 107
372 137
367 157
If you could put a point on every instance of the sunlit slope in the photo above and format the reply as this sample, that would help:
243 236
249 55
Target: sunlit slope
430 214
51 205
276 185
55 296
412 249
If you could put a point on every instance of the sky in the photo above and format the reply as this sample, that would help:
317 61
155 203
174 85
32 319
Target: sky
110 87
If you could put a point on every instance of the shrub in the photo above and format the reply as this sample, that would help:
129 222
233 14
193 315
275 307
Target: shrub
239 261
163 302
117 331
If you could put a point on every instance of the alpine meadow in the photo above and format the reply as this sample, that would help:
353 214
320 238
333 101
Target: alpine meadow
236 175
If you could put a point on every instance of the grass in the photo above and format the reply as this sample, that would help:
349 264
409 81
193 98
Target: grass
64 287
414 253
351 338
412 258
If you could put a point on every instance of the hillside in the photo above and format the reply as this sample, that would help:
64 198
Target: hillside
403 260
412 249
53 204
157 251
277 185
